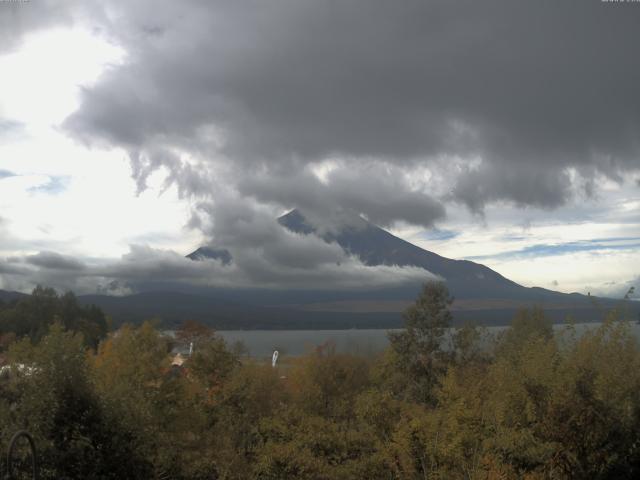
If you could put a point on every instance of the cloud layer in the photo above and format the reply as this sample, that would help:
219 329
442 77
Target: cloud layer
314 264
525 94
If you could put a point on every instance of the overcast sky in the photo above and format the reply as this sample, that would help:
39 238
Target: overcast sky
507 133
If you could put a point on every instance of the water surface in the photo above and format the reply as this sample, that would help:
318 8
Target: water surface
262 343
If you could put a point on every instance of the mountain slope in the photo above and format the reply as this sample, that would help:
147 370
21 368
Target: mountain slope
204 253
375 246
481 294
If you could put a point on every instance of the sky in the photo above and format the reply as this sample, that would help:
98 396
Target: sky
507 133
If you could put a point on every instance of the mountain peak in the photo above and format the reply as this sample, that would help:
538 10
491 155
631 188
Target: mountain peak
326 224
204 253
375 246
296 222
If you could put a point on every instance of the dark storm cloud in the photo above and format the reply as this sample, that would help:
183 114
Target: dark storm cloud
525 184
10 268
54 261
530 88
393 110
379 192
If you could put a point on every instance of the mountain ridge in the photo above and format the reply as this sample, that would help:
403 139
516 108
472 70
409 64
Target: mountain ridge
376 246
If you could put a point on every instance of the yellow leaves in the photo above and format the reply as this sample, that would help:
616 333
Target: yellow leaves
536 407
327 383
290 461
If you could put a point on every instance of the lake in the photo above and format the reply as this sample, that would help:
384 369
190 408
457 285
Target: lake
262 343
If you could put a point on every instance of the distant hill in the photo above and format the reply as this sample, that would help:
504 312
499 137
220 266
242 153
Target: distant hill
7 296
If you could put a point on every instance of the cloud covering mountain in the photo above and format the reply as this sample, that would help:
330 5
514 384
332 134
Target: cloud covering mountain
286 260
405 112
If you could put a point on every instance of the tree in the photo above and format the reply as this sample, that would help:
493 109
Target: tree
211 362
527 325
53 397
33 315
417 351
325 383
128 372
194 332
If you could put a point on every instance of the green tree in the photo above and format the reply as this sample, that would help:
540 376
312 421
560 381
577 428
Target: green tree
417 352
33 315
212 361
54 399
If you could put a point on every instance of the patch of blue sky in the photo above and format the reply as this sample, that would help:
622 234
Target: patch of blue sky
55 185
550 250
6 174
439 235
616 239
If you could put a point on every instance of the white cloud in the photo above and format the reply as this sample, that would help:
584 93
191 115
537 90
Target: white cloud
40 82
93 210
143 265
613 218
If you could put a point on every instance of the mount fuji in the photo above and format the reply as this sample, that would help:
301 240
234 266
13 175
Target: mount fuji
481 295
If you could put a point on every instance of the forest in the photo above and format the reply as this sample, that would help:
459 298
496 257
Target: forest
526 404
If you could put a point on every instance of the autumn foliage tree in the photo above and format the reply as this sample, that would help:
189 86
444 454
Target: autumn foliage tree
417 352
